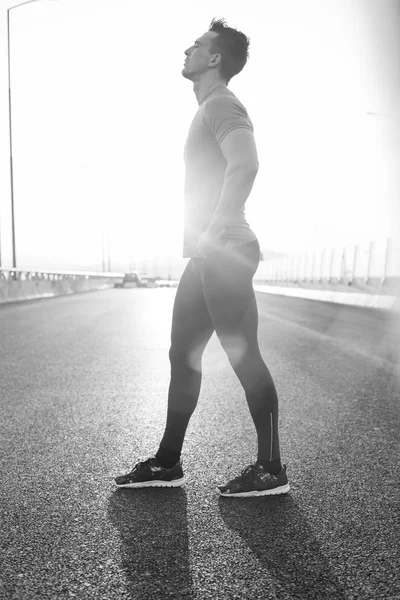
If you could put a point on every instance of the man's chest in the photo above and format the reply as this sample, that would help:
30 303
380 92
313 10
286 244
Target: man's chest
200 140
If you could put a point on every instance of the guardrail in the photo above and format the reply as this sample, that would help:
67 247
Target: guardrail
370 267
21 284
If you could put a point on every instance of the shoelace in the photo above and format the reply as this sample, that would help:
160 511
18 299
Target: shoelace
248 470
140 465
246 473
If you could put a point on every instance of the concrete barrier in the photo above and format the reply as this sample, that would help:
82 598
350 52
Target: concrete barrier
366 300
16 285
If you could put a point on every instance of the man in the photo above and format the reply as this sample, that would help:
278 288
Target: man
215 292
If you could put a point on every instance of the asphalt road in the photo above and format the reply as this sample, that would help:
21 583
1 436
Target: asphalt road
83 383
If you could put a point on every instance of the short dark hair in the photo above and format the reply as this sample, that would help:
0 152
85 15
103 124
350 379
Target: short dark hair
233 46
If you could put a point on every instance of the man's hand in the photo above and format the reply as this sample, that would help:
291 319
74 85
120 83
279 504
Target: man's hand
209 241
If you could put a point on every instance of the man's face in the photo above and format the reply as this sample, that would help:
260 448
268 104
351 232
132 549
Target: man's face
198 56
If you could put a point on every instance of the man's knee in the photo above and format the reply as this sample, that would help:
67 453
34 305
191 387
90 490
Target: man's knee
235 347
189 357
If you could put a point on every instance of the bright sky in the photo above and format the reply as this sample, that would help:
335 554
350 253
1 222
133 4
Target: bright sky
100 113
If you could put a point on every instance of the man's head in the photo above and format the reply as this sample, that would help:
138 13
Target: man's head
222 48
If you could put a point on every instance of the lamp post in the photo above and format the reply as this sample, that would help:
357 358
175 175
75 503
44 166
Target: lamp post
14 254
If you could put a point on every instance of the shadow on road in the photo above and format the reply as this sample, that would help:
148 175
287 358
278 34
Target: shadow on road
153 527
277 532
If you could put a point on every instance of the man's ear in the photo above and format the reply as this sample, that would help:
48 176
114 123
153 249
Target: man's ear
215 60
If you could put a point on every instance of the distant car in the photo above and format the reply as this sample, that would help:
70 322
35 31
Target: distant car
133 279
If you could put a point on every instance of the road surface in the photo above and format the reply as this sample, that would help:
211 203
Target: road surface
83 384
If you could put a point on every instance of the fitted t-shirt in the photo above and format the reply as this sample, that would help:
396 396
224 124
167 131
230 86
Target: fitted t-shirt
219 113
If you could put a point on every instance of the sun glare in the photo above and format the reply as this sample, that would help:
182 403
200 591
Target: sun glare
99 127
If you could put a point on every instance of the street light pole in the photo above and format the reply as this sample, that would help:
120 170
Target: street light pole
14 254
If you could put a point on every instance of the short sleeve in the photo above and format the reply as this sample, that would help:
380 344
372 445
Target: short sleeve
223 114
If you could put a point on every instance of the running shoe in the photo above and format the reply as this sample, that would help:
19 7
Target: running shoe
255 481
149 473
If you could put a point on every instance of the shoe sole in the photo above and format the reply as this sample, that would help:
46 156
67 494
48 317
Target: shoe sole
159 484
283 489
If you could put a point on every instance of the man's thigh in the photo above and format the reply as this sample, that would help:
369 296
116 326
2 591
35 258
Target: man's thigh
191 322
228 291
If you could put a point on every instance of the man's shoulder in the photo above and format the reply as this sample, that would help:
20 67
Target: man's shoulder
224 98
224 102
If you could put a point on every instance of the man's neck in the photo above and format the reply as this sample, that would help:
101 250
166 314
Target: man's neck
203 87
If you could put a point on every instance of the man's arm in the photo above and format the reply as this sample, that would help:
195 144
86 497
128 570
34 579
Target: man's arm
240 153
